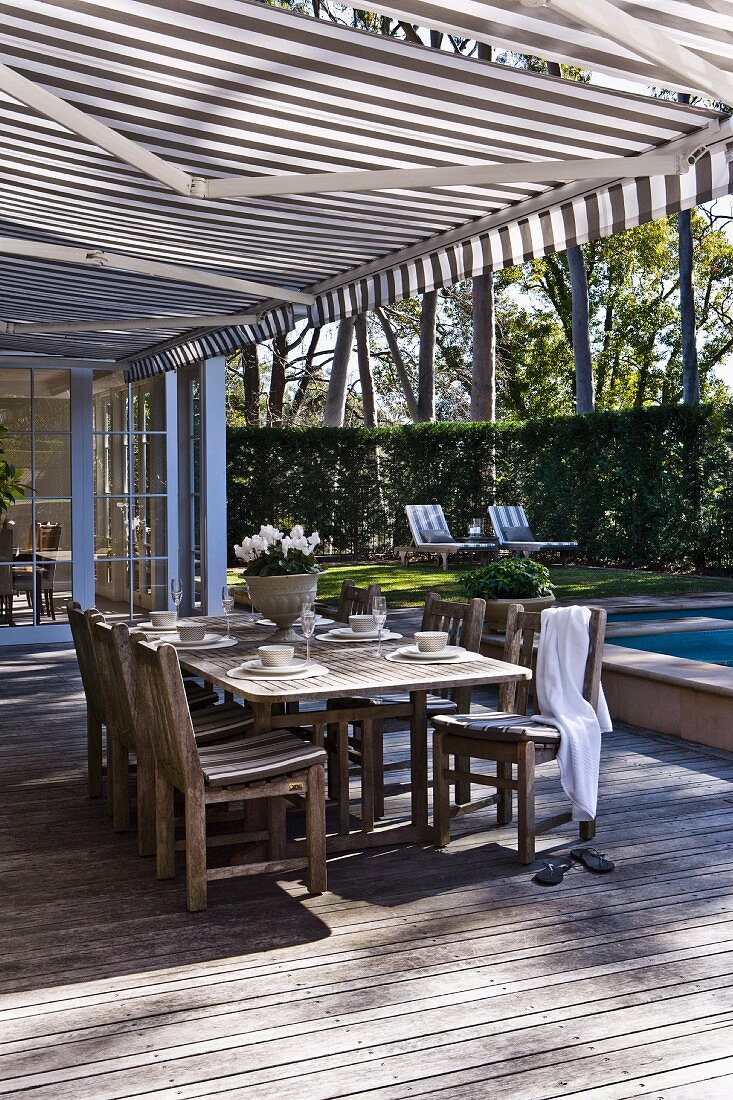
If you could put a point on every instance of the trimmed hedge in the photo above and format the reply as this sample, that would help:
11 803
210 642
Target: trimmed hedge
644 487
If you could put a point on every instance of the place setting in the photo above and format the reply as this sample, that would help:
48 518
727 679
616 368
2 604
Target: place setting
364 627
277 661
431 646
165 626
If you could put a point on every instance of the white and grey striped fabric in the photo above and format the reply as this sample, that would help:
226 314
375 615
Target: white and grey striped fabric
245 88
703 26
504 517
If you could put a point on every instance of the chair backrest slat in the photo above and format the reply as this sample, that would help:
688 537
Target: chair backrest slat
81 623
354 600
522 630
164 710
464 623
115 658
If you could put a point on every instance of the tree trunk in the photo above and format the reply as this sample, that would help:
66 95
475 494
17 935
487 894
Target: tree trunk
276 399
366 378
426 360
584 396
336 396
483 372
584 389
690 366
309 373
399 363
251 379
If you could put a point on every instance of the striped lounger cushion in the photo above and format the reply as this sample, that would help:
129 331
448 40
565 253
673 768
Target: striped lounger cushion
262 757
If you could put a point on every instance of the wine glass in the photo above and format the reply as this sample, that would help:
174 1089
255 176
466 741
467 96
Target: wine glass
227 604
253 613
176 593
308 625
379 614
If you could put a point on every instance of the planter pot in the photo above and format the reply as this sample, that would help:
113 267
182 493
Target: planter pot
280 598
497 610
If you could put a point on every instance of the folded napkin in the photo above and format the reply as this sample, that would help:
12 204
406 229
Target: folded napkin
561 659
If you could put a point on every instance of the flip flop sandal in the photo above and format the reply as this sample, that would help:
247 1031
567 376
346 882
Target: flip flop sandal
552 872
592 859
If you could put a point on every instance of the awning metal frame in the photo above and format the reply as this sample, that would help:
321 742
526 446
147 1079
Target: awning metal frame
128 324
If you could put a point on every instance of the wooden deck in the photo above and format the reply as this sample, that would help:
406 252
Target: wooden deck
419 975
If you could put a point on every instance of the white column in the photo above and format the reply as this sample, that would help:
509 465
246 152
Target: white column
171 456
82 481
213 484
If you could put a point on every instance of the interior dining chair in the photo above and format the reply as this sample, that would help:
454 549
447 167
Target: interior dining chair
6 573
463 622
509 739
273 766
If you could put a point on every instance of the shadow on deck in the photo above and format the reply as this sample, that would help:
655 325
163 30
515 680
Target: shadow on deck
419 974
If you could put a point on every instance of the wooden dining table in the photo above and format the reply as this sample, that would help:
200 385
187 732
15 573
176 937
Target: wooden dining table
353 670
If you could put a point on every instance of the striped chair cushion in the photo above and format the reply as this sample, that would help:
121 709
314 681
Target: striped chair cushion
198 695
427 517
435 704
263 757
219 722
497 726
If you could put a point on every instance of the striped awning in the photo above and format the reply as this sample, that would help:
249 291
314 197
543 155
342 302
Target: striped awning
703 26
244 89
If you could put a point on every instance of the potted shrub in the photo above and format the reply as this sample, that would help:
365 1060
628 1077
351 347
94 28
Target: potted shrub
508 581
281 574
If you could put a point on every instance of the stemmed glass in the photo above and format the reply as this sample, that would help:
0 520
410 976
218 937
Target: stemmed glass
227 604
253 612
379 614
308 625
176 594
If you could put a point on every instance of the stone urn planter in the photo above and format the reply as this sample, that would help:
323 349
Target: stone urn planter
280 599
497 610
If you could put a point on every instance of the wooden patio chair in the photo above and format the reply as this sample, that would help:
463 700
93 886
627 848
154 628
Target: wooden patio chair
463 622
273 766
81 634
354 600
508 738
127 730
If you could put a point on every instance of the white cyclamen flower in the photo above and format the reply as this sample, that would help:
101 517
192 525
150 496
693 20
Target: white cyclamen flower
286 542
314 539
297 532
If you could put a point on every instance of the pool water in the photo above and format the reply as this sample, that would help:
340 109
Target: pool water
713 646
688 613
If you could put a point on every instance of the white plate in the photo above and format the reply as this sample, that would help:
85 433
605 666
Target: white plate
210 641
150 629
346 634
255 667
320 621
412 653
241 672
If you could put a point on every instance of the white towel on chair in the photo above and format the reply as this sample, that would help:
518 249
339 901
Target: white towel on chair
561 659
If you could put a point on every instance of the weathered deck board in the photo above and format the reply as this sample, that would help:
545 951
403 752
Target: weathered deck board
419 974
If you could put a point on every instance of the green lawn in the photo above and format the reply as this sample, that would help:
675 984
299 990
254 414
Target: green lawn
407 587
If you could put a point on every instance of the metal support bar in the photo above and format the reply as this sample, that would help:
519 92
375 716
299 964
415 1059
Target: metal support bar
647 41
463 175
40 250
128 324
71 118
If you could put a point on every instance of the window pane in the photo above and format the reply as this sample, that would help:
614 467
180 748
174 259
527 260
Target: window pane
52 400
17 451
148 463
148 405
15 399
149 527
111 518
150 586
110 404
53 527
52 466
19 522
110 464
112 589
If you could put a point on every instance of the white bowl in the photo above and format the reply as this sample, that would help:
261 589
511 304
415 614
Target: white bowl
191 632
273 656
431 641
361 624
163 620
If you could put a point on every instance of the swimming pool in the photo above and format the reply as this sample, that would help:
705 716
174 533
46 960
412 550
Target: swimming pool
713 646
685 613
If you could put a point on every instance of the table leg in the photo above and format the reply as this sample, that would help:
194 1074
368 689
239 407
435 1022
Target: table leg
255 810
419 758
